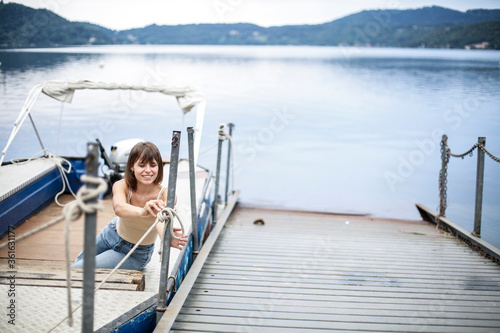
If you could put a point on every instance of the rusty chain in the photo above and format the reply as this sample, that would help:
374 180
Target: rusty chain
443 173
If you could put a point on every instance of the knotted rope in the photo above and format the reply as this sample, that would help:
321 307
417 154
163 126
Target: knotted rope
165 215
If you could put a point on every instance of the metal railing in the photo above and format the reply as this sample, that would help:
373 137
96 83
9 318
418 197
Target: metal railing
167 284
223 135
443 174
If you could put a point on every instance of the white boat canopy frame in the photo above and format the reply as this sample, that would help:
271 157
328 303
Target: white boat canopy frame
63 91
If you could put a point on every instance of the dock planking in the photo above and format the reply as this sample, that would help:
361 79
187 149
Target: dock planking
311 272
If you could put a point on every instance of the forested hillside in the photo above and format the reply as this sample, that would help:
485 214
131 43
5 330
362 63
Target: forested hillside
435 27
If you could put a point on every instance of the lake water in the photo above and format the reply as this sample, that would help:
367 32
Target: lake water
349 130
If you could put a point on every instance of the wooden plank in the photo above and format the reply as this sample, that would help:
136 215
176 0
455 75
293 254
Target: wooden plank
49 243
305 291
322 277
359 296
235 267
305 316
458 313
339 288
437 267
263 324
49 270
74 284
120 276
282 300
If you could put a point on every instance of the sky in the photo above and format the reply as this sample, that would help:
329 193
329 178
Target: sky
126 14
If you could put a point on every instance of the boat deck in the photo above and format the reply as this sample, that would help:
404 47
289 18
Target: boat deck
39 269
305 272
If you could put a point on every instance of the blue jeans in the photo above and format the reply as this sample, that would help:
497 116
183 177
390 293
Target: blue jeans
111 249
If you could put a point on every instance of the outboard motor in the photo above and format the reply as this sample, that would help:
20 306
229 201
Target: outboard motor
117 160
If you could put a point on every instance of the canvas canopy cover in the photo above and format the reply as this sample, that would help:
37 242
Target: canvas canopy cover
187 98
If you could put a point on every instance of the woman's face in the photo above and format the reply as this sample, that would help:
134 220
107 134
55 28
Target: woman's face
145 172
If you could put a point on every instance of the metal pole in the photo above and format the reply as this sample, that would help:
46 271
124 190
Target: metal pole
479 188
192 186
442 177
217 178
91 162
37 135
165 254
231 125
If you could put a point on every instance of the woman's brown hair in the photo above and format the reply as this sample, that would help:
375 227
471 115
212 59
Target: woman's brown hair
147 152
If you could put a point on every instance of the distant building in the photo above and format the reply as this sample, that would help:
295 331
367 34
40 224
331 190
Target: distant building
483 45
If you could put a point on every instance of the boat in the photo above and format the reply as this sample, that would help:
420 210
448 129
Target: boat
35 186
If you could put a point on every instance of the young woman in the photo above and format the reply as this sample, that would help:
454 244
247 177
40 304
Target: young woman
136 201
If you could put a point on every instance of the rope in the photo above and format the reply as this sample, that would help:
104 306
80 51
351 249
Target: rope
208 149
165 215
58 161
72 212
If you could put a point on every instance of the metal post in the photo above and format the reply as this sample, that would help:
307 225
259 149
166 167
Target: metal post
192 186
479 188
217 177
165 254
442 177
91 162
38 136
231 125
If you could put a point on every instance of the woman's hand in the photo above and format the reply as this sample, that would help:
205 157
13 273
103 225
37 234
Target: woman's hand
178 243
152 208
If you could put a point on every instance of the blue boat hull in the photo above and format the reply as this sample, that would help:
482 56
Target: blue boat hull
28 201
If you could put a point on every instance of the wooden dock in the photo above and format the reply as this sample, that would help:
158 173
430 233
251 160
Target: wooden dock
312 272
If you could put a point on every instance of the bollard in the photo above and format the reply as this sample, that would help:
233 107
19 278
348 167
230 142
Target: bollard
91 162
479 187
165 254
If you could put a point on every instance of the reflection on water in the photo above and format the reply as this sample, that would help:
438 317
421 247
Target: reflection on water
344 130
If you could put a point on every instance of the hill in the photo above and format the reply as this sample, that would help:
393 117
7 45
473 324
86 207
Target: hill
21 26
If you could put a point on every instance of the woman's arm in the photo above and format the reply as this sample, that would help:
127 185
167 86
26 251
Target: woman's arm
120 205
176 243
123 209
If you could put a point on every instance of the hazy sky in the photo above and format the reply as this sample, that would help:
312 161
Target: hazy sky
124 14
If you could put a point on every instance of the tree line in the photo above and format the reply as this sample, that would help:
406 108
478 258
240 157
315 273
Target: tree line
434 27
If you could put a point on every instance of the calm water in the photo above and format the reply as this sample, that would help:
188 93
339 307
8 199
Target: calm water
322 128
